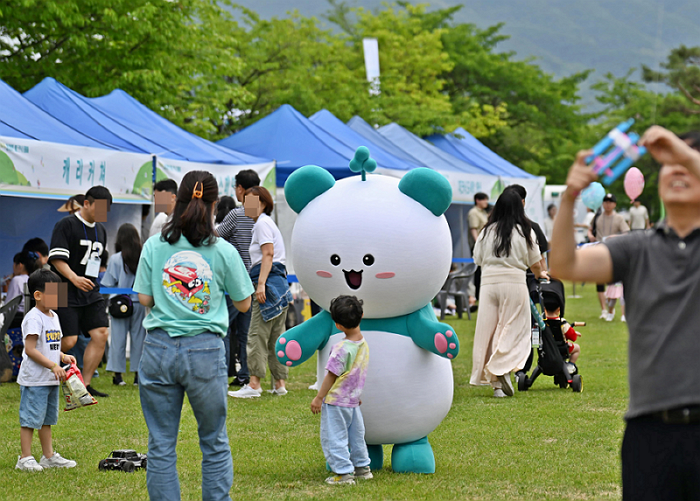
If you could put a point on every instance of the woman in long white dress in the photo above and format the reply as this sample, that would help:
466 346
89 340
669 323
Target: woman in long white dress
505 249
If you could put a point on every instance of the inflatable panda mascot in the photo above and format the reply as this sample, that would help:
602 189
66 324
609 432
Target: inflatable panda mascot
387 242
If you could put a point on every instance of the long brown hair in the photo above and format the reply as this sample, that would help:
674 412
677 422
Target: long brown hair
192 216
129 244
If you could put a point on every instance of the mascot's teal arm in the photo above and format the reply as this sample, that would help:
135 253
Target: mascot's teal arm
432 335
299 343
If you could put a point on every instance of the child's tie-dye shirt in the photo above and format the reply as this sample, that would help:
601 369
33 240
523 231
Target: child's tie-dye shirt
348 360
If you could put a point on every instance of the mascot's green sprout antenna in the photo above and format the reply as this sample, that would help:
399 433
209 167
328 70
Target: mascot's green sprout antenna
362 162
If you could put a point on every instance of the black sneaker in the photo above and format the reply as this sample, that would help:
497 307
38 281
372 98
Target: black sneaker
95 393
239 382
117 380
136 378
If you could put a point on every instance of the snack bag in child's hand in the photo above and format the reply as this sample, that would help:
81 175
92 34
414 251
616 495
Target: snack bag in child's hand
74 390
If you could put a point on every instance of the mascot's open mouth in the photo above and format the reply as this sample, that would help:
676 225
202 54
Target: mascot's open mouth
353 278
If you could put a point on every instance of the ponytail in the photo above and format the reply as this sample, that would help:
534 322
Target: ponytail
192 216
28 259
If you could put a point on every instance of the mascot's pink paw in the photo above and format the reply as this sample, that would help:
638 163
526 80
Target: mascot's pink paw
445 344
291 352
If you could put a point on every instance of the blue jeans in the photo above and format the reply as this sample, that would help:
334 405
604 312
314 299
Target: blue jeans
342 427
169 368
236 340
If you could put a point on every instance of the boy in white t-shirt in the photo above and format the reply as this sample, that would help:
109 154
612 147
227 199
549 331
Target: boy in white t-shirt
40 373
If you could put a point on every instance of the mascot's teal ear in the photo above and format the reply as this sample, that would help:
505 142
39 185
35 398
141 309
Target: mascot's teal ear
305 184
428 188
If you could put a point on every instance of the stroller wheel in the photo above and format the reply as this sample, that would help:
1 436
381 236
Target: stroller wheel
521 378
577 383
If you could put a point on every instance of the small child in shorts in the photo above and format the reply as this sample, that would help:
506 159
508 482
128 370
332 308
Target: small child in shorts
338 400
40 373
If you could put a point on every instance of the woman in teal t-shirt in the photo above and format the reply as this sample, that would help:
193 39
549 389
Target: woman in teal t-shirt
182 276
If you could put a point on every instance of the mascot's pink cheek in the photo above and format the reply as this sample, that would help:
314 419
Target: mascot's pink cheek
324 274
388 274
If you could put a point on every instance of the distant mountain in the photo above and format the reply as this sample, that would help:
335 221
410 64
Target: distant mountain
564 36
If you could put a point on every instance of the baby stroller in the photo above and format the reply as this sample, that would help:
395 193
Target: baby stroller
552 349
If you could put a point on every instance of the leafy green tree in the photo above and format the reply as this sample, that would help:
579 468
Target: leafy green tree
545 125
160 51
682 72
290 61
413 63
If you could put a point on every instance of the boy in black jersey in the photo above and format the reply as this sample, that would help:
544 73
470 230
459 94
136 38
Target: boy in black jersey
77 244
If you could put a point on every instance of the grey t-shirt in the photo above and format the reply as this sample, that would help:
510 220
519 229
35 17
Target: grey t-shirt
661 277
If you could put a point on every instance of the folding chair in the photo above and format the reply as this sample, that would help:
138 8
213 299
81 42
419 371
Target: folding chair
456 286
9 309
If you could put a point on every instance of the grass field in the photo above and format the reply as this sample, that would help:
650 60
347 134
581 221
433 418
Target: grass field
546 444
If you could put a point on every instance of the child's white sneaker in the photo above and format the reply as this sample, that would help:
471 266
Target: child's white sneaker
623 319
56 461
604 315
28 464
363 472
611 316
347 479
246 392
498 393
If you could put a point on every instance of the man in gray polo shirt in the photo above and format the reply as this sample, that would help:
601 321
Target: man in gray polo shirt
660 270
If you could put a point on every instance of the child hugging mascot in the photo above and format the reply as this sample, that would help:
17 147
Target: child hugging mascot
387 242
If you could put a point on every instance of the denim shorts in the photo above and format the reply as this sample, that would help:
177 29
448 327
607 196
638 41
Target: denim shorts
38 406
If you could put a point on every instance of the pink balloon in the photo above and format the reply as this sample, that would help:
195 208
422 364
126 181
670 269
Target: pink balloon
634 183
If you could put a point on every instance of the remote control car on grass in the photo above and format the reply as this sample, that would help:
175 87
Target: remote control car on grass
126 460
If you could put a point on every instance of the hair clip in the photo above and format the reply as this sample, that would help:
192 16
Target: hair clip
197 193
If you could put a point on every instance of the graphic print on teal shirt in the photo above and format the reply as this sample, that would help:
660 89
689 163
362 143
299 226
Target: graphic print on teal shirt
186 277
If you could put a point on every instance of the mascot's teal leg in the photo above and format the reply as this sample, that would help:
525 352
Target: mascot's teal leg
376 456
413 457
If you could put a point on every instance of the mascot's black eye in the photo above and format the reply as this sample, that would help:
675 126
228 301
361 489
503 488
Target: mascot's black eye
335 259
368 259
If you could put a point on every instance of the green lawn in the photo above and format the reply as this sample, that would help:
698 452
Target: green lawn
545 444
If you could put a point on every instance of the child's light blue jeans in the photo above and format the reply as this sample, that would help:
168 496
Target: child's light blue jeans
343 427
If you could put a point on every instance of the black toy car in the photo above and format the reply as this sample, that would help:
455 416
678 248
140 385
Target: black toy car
125 460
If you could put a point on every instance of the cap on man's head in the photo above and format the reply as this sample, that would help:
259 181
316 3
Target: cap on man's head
609 197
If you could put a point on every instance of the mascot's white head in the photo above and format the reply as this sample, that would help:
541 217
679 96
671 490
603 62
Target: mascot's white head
379 238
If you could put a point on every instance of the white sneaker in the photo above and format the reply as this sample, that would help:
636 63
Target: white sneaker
56 461
506 384
498 393
623 319
245 392
604 315
610 317
28 464
278 391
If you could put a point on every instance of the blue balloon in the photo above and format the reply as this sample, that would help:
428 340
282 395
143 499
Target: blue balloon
592 197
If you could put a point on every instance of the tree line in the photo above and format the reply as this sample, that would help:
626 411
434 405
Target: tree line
213 68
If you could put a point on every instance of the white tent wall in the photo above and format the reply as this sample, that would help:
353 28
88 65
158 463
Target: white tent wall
27 218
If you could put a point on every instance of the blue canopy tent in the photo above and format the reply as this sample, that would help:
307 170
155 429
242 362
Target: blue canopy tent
24 128
471 150
425 152
370 134
293 141
334 126
19 118
123 121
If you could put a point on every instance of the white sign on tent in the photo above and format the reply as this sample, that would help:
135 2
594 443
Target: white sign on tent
225 174
43 169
